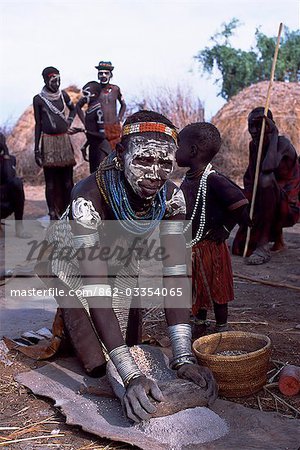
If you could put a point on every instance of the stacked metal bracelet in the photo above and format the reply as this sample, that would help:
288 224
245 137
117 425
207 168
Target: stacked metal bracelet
85 240
181 340
171 227
125 364
179 269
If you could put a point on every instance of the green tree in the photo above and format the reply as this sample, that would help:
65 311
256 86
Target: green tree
239 68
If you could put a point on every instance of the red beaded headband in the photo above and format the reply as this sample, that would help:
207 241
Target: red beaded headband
144 127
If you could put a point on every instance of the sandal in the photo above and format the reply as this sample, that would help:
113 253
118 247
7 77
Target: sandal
261 255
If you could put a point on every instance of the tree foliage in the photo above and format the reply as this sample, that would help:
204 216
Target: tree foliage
240 68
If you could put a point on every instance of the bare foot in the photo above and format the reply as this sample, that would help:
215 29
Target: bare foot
278 246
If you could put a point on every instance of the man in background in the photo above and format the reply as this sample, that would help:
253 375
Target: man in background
277 203
110 95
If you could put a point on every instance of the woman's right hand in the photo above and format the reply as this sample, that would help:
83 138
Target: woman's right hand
136 401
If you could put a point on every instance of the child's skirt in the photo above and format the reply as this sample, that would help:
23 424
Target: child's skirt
212 275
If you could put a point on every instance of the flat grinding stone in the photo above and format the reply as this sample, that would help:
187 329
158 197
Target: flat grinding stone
247 428
179 394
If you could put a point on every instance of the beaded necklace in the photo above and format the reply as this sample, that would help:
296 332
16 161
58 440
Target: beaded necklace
111 183
47 99
201 195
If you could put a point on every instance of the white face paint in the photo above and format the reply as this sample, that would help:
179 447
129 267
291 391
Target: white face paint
87 94
54 82
148 163
104 76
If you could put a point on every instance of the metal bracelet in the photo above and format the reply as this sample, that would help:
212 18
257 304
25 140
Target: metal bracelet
181 340
175 363
85 240
171 227
125 364
96 290
179 269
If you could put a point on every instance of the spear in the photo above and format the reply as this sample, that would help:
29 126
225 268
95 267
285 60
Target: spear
261 138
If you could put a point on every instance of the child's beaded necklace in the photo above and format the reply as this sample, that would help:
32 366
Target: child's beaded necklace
201 195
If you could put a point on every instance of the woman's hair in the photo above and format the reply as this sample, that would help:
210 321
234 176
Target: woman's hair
148 116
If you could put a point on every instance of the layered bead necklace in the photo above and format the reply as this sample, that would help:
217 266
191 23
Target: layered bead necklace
201 195
111 182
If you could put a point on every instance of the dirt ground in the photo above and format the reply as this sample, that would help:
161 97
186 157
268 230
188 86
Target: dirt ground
263 306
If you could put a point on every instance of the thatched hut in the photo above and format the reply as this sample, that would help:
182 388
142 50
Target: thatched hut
21 144
231 121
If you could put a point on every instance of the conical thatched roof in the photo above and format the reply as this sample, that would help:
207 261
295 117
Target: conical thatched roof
21 144
231 121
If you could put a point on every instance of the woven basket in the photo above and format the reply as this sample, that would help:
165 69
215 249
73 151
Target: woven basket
237 375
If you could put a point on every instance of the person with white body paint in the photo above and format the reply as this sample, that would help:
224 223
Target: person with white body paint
97 143
53 148
110 97
133 189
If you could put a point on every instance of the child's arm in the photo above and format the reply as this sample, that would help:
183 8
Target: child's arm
239 215
232 199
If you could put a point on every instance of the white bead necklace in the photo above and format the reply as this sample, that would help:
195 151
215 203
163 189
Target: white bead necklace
201 195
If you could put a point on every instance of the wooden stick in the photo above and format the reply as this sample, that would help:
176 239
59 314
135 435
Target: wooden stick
9 428
30 439
21 410
261 139
279 399
259 403
243 322
275 375
247 322
269 283
28 427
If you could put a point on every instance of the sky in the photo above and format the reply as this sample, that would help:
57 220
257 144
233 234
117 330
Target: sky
151 43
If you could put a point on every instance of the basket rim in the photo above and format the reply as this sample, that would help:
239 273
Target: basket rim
247 355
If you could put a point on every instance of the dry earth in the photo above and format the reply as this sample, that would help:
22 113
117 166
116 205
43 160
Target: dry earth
258 307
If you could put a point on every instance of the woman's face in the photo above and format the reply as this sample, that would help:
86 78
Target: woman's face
148 163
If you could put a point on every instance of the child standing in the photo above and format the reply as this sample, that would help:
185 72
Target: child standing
214 205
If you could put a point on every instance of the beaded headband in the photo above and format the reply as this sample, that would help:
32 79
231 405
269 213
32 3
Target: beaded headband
144 127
